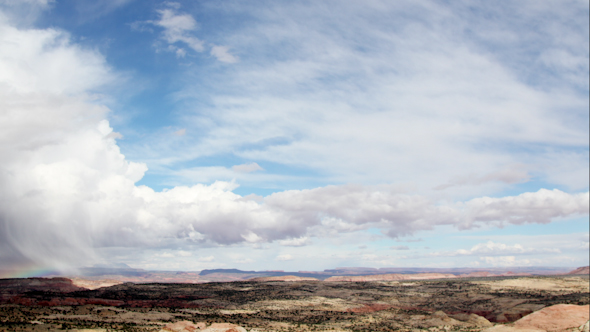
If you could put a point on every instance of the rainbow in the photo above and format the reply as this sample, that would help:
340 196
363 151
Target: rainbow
27 271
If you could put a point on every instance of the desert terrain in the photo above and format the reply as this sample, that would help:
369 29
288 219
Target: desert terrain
520 303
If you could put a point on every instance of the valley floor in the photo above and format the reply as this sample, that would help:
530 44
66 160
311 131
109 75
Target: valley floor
433 305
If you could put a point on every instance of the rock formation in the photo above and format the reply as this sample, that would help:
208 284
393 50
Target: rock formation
559 317
388 277
581 270
186 326
283 278
95 284
183 326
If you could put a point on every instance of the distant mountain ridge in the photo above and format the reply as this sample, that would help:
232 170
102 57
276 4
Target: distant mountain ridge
581 270
109 274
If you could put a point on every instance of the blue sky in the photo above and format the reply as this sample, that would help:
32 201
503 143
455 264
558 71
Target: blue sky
297 135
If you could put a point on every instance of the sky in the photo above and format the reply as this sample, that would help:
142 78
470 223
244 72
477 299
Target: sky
293 135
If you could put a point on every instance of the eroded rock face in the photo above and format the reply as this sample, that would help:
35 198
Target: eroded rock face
283 278
472 319
186 326
183 326
389 277
517 312
95 284
558 317
224 327
581 270
506 328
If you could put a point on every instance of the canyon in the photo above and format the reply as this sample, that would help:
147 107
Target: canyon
419 302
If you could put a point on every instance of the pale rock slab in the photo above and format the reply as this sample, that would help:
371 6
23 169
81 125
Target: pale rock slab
559 317
183 326
224 327
507 328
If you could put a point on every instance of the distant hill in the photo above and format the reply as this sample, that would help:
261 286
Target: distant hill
206 272
581 270
109 274
244 275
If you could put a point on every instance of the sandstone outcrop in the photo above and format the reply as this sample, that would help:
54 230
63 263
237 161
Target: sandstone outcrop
472 319
283 278
95 284
224 327
506 328
391 277
439 318
559 317
517 312
485 274
186 326
581 270
183 326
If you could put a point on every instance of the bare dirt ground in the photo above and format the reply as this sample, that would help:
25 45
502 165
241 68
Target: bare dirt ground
473 304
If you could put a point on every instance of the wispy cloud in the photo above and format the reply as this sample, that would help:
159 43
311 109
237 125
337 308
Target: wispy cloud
490 249
515 174
222 54
247 168
180 132
400 248
297 242
178 28
364 99
179 31
285 257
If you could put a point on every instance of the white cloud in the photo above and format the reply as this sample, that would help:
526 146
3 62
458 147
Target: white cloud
510 175
491 248
247 168
350 208
46 62
178 28
180 132
180 52
297 242
285 257
183 253
504 261
222 54
244 261
28 2
400 248
23 12
539 207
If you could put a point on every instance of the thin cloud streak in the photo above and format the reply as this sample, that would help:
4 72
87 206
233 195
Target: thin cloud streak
374 101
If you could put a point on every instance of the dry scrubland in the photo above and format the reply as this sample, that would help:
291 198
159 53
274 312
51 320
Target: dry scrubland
493 304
